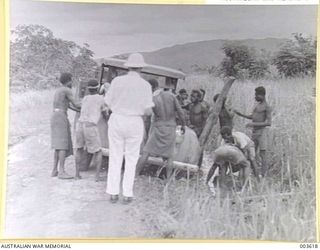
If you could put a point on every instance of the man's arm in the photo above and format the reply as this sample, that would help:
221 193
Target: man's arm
180 114
104 110
148 100
205 114
76 105
266 123
242 115
72 107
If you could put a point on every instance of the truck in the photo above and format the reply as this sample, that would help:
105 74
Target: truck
113 67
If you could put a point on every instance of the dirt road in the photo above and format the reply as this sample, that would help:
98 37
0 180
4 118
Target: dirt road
38 205
41 206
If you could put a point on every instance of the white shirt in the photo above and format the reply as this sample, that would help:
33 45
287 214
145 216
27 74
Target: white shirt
91 108
129 95
241 140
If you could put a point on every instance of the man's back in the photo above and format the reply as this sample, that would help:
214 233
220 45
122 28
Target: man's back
166 106
129 95
91 108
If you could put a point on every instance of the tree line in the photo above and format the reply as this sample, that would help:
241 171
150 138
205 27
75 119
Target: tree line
37 56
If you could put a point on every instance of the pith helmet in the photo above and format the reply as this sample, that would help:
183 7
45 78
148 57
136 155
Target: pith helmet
135 60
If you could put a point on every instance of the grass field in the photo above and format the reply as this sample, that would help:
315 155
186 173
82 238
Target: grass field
281 207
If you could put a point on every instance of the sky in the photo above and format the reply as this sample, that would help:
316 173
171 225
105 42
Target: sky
112 29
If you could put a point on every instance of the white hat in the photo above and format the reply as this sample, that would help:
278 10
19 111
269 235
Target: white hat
135 60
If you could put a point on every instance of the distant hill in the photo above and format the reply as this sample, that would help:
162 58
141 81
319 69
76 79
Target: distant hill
204 53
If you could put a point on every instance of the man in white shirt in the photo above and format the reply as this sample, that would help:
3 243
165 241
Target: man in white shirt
243 142
129 98
87 132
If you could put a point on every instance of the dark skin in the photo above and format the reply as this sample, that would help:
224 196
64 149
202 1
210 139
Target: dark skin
60 155
228 138
259 120
198 116
168 162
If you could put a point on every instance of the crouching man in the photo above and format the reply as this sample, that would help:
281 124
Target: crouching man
243 142
87 133
225 156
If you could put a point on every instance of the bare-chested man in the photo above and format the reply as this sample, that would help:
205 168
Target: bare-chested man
261 118
198 114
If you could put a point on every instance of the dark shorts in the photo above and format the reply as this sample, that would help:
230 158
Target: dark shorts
260 138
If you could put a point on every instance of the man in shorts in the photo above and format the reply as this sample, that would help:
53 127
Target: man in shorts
261 119
87 133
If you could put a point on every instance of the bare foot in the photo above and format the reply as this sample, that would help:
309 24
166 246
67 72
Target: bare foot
54 173
77 177
97 179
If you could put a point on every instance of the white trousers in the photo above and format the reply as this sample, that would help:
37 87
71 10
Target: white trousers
125 136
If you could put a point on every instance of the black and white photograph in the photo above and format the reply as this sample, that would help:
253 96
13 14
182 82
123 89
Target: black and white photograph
161 122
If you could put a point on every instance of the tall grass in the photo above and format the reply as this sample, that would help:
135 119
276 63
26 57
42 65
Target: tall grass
281 207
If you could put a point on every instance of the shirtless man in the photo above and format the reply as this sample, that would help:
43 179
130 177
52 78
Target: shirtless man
261 119
228 155
198 114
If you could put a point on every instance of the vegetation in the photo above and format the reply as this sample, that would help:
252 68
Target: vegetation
297 57
37 58
281 207
242 62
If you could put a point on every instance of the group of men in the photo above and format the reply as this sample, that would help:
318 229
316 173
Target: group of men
129 99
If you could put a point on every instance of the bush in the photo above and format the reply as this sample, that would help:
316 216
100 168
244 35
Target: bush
242 62
297 57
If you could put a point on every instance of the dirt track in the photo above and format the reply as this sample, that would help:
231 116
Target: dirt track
41 206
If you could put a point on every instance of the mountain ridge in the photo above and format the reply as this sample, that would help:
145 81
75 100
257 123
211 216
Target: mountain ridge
201 54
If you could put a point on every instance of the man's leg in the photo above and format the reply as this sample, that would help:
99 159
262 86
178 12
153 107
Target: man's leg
78 156
252 158
244 173
256 140
168 166
54 172
263 145
263 156
98 160
132 150
142 162
62 173
116 145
